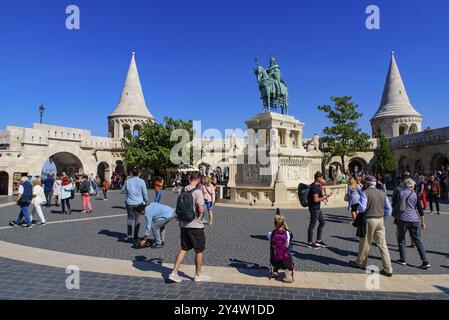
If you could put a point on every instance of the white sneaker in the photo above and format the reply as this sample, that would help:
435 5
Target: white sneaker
202 278
175 277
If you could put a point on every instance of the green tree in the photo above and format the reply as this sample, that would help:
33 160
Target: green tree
151 149
385 163
344 137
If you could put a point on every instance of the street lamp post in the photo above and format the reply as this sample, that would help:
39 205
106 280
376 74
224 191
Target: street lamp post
41 112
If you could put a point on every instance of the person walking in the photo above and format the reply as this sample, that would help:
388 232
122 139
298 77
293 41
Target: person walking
190 205
57 191
24 197
434 193
157 217
411 219
104 188
315 197
85 188
39 199
48 189
208 190
422 191
67 188
97 186
374 204
354 191
136 193
158 184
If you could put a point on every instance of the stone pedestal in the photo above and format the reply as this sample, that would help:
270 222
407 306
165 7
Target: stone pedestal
274 164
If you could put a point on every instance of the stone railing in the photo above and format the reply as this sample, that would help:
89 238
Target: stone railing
435 136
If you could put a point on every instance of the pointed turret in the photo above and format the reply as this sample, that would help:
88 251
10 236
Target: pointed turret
395 100
131 110
132 101
395 107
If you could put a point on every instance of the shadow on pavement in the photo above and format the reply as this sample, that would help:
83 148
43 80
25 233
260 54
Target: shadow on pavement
114 234
355 240
250 268
444 289
143 264
259 236
320 259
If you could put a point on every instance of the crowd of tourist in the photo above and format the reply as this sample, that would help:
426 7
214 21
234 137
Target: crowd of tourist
368 204
36 192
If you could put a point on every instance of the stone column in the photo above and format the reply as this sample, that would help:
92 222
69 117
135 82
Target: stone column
288 139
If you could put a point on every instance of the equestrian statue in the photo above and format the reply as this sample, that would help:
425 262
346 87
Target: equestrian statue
273 89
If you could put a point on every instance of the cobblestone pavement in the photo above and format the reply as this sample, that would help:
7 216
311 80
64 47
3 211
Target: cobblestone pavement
21 280
6 199
238 238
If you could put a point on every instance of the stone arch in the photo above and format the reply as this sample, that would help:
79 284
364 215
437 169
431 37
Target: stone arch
333 169
439 161
66 162
120 167
403 129
413 128
404 165
357 164
204 168
418 166
377 132
104 171
126 129
4 183
136 130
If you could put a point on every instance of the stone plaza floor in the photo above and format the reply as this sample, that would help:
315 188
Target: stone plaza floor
33 260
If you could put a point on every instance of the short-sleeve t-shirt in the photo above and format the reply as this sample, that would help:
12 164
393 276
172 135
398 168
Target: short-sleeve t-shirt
198 201
314 189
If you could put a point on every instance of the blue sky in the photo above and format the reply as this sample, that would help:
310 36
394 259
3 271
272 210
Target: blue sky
196 58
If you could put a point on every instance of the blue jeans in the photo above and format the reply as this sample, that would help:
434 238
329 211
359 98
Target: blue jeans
158 196
415 233
24 213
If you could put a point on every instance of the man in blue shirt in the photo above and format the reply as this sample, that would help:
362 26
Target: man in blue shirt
48 189
157 217
136 193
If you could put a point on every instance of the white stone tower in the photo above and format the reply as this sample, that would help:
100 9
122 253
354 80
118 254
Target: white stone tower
395 116
131 110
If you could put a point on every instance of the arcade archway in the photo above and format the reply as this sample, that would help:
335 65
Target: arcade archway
439 162
357 164
104 171
66 162
4 179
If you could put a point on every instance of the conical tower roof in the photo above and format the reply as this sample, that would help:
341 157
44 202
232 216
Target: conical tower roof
132 101
395 100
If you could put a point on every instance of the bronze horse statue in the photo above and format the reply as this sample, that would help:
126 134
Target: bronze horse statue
274 93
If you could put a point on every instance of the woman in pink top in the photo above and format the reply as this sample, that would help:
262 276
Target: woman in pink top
209 197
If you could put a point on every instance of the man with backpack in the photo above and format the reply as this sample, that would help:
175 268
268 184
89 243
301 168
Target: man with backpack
136 193
190 211
315 197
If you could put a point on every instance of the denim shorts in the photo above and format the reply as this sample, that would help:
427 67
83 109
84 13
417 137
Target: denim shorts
208 205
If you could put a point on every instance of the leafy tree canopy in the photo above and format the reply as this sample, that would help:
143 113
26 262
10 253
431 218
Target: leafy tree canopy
152 147
344 137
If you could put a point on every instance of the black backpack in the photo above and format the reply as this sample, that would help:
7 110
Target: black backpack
185 206
303 194
84 188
